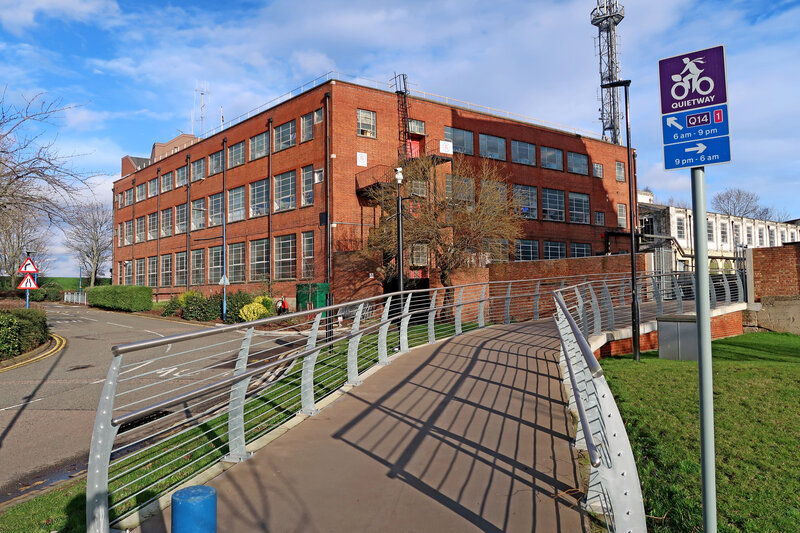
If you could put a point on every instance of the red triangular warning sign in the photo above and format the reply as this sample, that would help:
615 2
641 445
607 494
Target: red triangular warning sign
28 283
28 267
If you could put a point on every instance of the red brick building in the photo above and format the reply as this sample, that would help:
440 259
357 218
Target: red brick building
286 182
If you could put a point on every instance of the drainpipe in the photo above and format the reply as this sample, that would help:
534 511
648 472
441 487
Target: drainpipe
269 200
329 235
133 241
224 234
158 229
188 219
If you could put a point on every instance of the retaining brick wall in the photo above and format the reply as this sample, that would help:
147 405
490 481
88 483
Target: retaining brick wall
776 271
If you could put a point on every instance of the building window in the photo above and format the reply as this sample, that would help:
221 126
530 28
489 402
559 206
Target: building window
307 186
141 192
198 214
307 127
259 260
215 206
552 158
215 163
140 229
181 269
792 236
419 187
236 204
761 236
599 218
597 170
526 250
198 267
152 271
152 226
749 235
166 182
552 205
152 187
620 171
181 176
680 224
579 212
128 232
710 230
128 197
215 267
166 222
198 170
580 249
498 250
525 200
308 254
318 116
459 189
180 219
285 191
419 255
771 236
723 233
737 234
141 274
622 215
367 121
259 198
259 145
492 147
416 126
236 262
120 201
578 163
285 136
523 153
128 265
463 142
120 235
236 154
166 270
555 250
783 236
286 256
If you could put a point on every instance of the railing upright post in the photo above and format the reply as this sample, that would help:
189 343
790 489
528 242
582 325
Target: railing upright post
678 293
536 301
598 326
482 307
608 303
459 305
383 333
727 289
307 377
236 440
694 289
622 292
657 295
712 291
404 325
582 312
739 287
507 313
352 349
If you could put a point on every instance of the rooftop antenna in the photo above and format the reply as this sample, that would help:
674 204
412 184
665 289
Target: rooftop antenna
606 16
202 89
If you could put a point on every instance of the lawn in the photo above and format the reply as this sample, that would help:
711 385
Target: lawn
757 423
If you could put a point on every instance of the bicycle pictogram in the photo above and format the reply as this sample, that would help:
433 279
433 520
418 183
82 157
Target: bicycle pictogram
692 80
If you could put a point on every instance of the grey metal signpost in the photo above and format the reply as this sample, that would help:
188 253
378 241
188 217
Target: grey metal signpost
696 133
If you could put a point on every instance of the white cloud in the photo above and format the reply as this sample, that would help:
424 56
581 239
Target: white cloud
16 16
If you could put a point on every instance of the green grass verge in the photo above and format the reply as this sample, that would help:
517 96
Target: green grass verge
61 509
757 423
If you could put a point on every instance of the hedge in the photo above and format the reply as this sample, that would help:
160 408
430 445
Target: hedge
121 297
22 330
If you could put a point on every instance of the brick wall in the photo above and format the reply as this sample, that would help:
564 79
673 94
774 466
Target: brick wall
577 266
776 271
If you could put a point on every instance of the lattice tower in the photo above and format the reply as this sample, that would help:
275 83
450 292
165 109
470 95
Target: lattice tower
606 16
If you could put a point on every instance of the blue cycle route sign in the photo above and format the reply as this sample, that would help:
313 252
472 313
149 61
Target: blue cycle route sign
694 109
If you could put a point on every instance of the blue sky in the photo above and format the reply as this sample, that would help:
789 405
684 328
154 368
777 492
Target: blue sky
131 68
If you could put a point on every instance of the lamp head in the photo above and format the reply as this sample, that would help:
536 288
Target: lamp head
398 175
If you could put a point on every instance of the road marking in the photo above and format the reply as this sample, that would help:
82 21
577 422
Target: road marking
137 367
92 319
61 342
21 404
120 325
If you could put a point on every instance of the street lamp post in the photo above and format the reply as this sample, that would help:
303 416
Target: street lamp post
632 208
398 175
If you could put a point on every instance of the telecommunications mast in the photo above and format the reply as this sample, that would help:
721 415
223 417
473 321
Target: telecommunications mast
606 16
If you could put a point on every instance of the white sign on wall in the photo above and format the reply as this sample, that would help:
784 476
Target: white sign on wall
446 147
361 159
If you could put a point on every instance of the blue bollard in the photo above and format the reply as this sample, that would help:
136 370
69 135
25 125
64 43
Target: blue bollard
194 510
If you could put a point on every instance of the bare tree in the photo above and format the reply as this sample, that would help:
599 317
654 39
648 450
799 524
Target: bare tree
21 232
89 236
736 202
33 175
457 221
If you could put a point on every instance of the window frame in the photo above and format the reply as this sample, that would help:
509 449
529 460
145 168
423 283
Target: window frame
216 210
259 198
216 162
260 257
577 163
307 186
584 246
619 171
198 218
236 262
307 256
285 267
484 148
181 219
529 149
167 183
560 246
307 127
366 123
550 213
285 191
284 136
526 193
197 268
551 158
166 223
236 204
259 145
452 134
181 176
526 248
199 170
236 155
584 209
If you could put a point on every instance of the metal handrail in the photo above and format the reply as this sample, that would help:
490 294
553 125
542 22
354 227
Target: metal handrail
586 350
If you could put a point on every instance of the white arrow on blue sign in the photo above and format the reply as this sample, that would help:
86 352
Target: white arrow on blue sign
698 153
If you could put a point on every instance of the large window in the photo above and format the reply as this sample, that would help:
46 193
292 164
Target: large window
525 200
120 235
180 219
578 163
285 191
198 267
723 233
523 153
236 204
460 189
318 116
463 142
308 254
140 229
236 262
307 127
286 256
419 254
166 222
771 236
259 198
680 227
367 123
215 207
416 126
552 158
259 145
555 250
526 250
181 176
620 171
579 212
710 230
259 260
215 267
622 215
181 269
152 226
152 187
198 170
166 182
737 234
580 249
128 265
152 271
552 205
140 271
128 197
307 186
749 233
166 270
141 192
236 154
128 232
215 162
597 170
761 236
600 218
198 214
285 136
492 147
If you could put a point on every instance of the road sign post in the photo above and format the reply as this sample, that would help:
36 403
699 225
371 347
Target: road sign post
696 133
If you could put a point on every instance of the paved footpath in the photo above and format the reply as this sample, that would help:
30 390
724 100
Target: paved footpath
470 434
